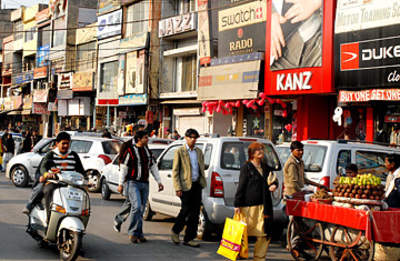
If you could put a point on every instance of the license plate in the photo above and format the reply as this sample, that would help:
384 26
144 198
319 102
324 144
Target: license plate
74 194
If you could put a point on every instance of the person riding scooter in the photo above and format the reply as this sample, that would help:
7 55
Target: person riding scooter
59 159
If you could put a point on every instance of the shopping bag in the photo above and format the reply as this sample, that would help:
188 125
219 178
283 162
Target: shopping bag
244 246
231 239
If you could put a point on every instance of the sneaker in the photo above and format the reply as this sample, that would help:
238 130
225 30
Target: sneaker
117 227
175 238
26 211
191 243
134 239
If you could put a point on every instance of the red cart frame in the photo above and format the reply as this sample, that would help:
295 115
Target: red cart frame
351 232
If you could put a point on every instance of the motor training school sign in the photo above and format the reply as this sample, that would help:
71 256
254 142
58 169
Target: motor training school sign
367 40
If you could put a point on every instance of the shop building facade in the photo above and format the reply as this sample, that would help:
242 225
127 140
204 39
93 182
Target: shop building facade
179 67
367 65
231 83
299 75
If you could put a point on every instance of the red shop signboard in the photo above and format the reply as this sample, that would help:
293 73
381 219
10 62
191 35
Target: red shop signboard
304 63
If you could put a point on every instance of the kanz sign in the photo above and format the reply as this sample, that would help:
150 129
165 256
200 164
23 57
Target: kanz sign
177 24
295 72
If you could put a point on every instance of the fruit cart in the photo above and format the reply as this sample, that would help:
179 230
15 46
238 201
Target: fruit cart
345 233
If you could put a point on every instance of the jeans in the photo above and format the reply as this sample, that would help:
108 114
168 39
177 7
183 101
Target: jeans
124 211
6 158
137 193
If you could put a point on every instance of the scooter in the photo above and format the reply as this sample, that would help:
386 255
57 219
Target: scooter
69 216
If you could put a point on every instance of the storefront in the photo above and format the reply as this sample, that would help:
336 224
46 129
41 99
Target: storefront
368 70
299 75
230 84
233 112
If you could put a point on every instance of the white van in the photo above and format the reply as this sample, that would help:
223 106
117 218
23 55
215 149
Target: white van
324 159
223 157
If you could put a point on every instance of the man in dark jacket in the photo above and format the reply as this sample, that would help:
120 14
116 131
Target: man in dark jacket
9 149
136 163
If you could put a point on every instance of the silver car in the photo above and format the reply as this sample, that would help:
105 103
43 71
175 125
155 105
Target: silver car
94 153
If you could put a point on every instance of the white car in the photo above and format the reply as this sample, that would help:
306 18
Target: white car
324 159
110 173
94 153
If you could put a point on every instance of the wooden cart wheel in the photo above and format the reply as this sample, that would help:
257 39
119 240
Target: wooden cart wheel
301 240
351 246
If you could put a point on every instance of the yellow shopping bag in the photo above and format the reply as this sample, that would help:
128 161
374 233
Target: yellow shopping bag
231 239
244 247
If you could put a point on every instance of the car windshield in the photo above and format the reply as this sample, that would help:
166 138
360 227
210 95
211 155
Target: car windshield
234 155
313 158
42 143
284 153
111 146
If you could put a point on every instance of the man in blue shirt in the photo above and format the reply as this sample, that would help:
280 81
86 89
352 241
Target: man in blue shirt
188 178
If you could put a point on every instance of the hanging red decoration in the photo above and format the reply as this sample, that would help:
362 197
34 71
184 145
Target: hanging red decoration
284 114
237 104
288 127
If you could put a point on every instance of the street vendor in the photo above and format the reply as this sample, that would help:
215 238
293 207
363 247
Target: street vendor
392 190
293 171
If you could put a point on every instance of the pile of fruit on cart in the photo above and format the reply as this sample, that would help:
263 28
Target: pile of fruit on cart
363 192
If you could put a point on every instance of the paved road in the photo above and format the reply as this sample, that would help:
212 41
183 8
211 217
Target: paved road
101 242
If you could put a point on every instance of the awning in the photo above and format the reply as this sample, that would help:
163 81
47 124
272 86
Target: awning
181 102
6 112
230 81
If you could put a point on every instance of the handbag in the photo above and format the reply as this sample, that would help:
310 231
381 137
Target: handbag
231 239
244 246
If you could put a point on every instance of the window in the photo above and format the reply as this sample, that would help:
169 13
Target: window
44 35
18 29
284 153
234 155
80 146
185 75
167 159
58 32
156 153
86 57
29 34
313 158
207 155
371 162
343 160
137 18
186 6
108 76
111 147
44 145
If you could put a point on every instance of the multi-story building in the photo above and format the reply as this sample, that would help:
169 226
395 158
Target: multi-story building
179 70
128 63
83 78
66 17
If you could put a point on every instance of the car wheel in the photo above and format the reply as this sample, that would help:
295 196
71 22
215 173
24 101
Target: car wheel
105 190
94 180
19 176
148 213
205 228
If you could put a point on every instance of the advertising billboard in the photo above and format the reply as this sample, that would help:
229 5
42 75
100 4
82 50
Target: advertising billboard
299 44
109 24
240 28
367 44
